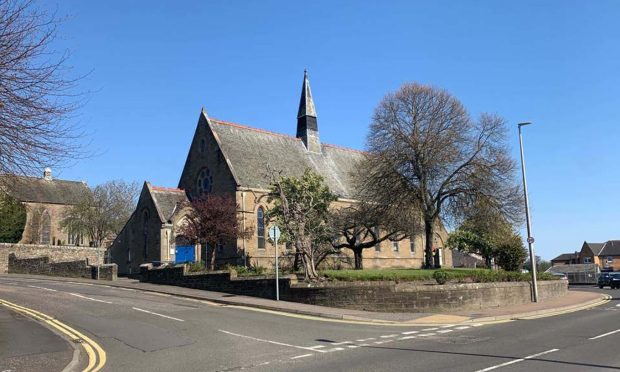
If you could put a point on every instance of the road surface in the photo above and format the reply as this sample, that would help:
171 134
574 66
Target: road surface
146 331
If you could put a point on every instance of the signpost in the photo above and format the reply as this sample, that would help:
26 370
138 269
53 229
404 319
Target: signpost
274 235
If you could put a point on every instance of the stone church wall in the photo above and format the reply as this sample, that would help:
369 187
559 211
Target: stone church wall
55 253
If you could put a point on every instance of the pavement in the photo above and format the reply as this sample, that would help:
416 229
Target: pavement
573 301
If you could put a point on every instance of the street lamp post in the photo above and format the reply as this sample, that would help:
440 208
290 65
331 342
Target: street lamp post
530 239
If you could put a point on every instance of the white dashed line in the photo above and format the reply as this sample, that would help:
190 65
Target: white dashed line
47 289
407 337
331 350
365 339
275 342
316 347
301 356
89 298
449 325
430 329
410 332
162 315
445 331
462 327
604 334
342 343
425 334
516 360
353 346
477 325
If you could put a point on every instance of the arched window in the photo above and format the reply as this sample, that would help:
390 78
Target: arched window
46 227
204 182
260 227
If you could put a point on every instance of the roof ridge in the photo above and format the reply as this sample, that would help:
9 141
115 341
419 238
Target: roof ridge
242 126
344 148
169 189
39 178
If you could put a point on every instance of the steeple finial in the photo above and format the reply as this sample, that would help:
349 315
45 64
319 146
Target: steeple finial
307 128
306 104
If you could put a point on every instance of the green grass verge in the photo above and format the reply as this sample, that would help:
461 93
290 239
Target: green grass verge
452 275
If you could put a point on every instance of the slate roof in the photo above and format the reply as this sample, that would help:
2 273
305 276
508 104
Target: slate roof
250 150
611 248
167 201
595 247
40 190
572 268
564 257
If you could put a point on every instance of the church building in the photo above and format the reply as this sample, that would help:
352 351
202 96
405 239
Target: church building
229 158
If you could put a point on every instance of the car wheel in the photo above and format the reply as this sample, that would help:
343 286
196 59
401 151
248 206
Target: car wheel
600 287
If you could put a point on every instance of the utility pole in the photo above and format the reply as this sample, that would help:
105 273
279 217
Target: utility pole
530 238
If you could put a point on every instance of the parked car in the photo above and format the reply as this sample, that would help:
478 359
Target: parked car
560 275
609 279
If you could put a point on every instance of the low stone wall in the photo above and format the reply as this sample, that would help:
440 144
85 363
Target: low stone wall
53 252
70 269
369 296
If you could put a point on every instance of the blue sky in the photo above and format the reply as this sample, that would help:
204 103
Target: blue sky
152 65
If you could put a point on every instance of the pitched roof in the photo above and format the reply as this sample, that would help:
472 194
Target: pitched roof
41 190
167 201
611 248
572 268
564 257
595 247
250 151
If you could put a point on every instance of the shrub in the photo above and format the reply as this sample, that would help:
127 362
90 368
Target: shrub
441 276
196 266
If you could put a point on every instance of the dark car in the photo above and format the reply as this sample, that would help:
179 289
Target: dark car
609 279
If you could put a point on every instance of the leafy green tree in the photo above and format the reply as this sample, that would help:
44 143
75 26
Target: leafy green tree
301 210
12 219
511 253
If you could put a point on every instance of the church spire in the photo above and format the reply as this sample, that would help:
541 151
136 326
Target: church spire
307 128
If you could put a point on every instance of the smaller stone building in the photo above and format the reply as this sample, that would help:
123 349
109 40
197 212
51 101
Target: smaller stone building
150 234
46 199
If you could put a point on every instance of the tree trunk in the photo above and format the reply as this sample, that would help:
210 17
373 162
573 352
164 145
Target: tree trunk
359 260
212 264
296 261
429 231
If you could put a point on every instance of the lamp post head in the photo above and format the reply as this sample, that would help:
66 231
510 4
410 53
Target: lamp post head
524 123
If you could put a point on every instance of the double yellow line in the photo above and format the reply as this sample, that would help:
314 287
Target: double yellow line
96 355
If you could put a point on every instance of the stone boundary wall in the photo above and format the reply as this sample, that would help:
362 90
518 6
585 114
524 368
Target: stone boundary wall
54 252
70 269
369 296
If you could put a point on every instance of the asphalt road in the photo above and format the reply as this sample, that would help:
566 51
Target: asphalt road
146 331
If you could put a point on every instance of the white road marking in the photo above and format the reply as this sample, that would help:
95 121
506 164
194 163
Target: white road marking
604 334
407 337
352 346
517 360
463 327
410 332
426 334
342 343
449 325
47 289
162 315
445 331
276 342
430 329
301 356
88 298
389 336
365 339
331 350
618 305
316 347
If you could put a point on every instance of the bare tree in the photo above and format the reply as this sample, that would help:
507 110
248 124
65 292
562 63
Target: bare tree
425 150
362 225
102 212
36 97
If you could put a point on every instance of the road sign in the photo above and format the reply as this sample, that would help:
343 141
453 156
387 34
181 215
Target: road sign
530 240
274 233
